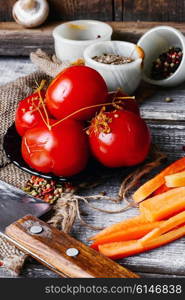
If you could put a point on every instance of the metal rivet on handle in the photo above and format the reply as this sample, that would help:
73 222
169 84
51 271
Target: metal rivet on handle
36 229
72 252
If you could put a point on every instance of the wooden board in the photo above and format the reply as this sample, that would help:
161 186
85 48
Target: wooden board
6 10
108 10
68 9
80 9
18 41
158 10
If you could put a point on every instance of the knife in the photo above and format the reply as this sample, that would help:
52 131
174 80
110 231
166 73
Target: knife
60 252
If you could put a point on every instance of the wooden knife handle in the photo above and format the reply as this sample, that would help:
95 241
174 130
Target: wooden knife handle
51 247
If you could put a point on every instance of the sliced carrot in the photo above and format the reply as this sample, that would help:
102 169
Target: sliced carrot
120 226
163 206
121 249
124 249
175 180
150 236
150 186
164 227
131 233
162 189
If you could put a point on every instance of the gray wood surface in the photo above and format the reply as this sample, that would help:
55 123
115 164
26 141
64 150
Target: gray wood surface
168 128
18 41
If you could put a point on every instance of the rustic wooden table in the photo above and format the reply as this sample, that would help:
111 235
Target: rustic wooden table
167 123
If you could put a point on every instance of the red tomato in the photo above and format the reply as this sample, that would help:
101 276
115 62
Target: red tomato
63 150
27 116
119 138
127 104
75 88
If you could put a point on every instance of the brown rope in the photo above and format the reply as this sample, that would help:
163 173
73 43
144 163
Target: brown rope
156 157
64 213
104 210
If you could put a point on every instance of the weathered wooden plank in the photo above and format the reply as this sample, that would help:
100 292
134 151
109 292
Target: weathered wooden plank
6 10
158 109
155 275
117 10
132 31
15 40
79 9
18 41
34 270
12 68
67 9
160 10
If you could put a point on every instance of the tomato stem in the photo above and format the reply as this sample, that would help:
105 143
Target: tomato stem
126 98
44 108
89 107
38 90
47 123
40 86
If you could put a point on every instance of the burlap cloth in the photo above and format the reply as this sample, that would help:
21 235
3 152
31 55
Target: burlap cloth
10 94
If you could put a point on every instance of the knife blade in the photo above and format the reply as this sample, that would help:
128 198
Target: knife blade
57 250
15 204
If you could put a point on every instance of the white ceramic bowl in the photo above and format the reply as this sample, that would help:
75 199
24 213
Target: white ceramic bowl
156 41
125 76
71 38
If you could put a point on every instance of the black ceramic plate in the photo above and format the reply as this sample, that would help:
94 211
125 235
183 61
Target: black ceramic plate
12 147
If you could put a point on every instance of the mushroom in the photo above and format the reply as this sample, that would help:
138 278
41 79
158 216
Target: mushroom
30 13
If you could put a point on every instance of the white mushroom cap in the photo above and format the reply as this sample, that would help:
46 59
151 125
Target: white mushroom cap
30 13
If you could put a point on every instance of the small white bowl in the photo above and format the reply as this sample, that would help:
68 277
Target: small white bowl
71 38
156 41
125 76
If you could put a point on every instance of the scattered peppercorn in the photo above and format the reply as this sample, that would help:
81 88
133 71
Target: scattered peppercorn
168 99
47 190
102 193
166 64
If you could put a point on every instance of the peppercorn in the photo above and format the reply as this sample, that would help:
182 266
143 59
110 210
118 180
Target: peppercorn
168 99
166 64
47 190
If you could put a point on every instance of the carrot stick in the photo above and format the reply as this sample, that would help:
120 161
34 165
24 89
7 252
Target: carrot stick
164 227
121 249
120 226
131 233
175 180
163 206
150 236
162 189
128 248
150 186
